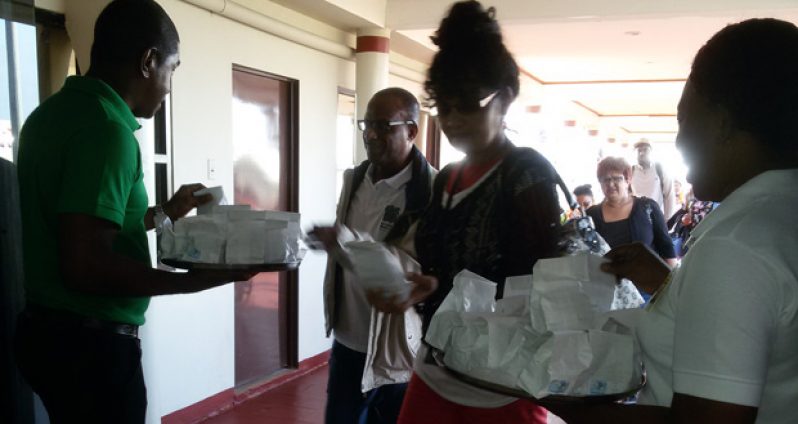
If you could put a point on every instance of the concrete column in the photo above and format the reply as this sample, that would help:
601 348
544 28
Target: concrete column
371 58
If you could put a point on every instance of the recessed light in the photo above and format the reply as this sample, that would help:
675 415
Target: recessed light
533 109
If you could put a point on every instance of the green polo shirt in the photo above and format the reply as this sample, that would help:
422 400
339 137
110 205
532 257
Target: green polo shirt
77 154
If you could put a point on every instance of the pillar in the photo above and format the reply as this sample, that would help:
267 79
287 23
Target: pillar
371 71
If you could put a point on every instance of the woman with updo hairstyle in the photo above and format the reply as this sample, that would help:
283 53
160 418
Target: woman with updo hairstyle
495 213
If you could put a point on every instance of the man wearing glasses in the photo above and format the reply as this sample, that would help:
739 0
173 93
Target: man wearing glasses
372 354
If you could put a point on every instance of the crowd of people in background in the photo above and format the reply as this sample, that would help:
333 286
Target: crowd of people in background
671 215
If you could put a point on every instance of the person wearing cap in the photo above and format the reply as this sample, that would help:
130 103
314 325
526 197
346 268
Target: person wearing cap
649 179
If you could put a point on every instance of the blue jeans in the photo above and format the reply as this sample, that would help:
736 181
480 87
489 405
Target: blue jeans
346 404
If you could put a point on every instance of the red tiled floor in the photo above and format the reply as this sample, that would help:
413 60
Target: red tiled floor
299 401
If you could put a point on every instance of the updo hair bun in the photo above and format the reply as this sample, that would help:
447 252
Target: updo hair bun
471 56
467 26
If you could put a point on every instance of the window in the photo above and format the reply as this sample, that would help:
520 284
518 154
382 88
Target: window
345 136
162 152
19 84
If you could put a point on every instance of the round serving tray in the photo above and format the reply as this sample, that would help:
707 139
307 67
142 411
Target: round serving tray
287 266
437 355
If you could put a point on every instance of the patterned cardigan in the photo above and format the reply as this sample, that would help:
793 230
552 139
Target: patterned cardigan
500 229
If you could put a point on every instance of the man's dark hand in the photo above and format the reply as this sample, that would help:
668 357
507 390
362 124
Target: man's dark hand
638 263
421 287
328 236
184 201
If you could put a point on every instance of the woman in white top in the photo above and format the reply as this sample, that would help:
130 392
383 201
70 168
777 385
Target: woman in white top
720 338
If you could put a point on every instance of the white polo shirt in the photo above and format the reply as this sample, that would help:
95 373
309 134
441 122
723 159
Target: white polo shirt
646 182
726 327
373 211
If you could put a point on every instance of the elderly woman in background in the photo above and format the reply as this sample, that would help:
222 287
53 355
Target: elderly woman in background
622 218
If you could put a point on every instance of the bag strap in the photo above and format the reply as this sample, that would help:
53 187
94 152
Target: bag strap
568 197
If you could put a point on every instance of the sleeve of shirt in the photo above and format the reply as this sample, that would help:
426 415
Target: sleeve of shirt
535 198
103 163
725 322
662 240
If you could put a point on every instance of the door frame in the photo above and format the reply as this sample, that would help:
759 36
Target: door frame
289 292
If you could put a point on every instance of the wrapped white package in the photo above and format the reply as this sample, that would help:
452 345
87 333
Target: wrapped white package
494 349
217 198
263 237
515 301
519 285
470 293
585 363
167 244
532 347
253 242
567 292
234 234
513 306
204 239
473 293
482 344
291 234
224 210
377 268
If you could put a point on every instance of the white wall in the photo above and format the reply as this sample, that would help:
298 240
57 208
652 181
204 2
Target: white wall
189 340
412 86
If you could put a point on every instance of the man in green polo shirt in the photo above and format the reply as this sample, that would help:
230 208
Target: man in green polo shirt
85 215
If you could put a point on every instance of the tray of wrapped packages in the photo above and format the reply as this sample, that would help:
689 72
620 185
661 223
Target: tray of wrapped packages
290 266
233 238
564 333
438 357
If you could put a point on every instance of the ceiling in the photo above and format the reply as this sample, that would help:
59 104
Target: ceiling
623 62
628 69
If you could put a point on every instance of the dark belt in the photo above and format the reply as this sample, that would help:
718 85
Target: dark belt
65 319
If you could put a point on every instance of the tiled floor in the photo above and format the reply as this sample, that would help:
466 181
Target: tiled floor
300 401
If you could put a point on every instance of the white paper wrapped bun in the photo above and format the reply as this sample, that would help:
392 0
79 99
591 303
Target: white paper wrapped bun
377 268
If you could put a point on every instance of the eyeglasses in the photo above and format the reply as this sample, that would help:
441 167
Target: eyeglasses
381 126
445 108
617 179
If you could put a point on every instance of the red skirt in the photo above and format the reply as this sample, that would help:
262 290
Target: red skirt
423 406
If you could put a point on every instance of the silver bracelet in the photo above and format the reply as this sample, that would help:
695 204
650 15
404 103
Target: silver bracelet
160 219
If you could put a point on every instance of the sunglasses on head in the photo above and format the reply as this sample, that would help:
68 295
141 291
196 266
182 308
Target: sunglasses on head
381 126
